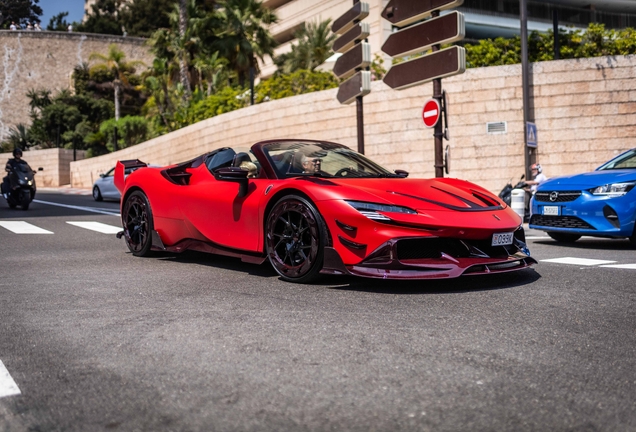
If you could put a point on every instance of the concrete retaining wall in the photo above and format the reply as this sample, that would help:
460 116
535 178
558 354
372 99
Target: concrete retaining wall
55 164
45 60
585 112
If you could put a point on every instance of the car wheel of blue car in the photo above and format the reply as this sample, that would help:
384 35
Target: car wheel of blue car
632 239
564 237
295 239
138 224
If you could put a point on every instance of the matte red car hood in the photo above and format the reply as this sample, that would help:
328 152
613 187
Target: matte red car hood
423 194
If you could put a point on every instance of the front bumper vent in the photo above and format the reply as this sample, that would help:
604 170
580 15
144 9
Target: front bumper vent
560 222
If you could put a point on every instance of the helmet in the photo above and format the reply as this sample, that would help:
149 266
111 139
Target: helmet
17 151
538 167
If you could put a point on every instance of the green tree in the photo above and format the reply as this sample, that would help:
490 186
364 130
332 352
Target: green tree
143 17
58 22
115 63
243 35
103 18
314 47
19 11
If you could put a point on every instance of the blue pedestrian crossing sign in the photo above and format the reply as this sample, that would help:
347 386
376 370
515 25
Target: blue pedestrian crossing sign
531 132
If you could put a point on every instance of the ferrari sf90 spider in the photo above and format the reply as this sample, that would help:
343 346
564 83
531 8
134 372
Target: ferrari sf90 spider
313 207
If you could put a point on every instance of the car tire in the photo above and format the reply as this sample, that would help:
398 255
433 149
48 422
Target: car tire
295 238
564 237
138 224
632 238
97 195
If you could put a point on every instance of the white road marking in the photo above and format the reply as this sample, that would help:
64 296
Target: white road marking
97 226
577 261
8 387
87 209
537 237
21 227
621 266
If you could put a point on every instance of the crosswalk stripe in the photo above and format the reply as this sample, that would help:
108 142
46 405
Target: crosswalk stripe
621 266
97 226
8 387
577 261
21 227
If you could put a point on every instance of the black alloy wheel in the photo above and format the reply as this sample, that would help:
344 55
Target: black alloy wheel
295 239
97 195
564 237
137 221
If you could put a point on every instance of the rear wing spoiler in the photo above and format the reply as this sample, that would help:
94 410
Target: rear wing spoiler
124 167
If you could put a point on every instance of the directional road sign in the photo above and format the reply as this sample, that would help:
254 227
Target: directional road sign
345 42
404 12
440 64
357 57
357 85
420 37
346 22
431 113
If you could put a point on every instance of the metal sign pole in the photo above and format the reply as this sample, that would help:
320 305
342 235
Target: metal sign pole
438 131
360 115
525 84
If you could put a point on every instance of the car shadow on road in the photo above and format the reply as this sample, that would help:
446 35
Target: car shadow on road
379 286
435 286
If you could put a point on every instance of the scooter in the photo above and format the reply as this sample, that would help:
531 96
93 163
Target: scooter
515 197
22 186
506 192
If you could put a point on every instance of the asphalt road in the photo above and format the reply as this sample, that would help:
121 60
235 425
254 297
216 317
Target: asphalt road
92 338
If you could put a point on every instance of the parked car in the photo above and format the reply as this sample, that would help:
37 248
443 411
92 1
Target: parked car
314 207
104 187
601 203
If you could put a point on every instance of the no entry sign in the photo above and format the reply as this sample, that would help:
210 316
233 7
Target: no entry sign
431 113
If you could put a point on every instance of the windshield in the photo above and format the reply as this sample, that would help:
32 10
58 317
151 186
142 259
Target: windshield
310 158
625 161
23 167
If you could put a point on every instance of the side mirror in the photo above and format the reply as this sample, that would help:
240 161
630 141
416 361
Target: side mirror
102 175
234 174
402 173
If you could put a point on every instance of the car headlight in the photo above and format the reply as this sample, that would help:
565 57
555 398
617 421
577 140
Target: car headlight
614 189
371 210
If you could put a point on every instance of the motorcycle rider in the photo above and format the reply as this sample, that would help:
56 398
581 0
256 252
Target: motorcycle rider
538 177
11 164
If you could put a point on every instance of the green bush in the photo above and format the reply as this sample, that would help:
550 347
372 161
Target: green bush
595 41
299 82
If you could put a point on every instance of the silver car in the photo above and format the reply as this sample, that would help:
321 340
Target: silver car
104 187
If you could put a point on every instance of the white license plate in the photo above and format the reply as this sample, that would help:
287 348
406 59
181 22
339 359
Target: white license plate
551 210
500 239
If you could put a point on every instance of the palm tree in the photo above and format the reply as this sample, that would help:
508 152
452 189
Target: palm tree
314 47
210 70
244 35
115 63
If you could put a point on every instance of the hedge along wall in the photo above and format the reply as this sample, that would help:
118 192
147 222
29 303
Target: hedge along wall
585 111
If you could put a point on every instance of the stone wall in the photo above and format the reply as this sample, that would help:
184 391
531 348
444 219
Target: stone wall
45 60
55 164
585 112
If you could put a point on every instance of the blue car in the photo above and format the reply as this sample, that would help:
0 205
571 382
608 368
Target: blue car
601 203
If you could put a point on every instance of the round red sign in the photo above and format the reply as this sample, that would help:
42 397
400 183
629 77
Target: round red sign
431 113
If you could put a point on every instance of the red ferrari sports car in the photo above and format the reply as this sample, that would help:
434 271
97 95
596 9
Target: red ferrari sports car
315 207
